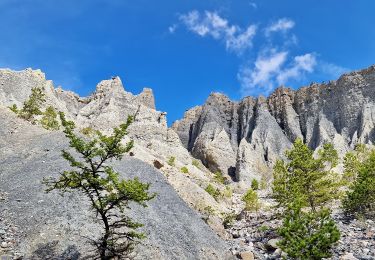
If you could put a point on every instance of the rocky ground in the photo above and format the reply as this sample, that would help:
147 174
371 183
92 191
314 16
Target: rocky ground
36 225
255 237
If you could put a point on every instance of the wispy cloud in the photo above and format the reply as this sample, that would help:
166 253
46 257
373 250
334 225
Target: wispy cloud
211 24
172 28
273 65
260 77
281 25
300 65
272 69
332 70
253 5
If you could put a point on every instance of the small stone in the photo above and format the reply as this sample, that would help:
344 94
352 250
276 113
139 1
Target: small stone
4 244
278 252
272 244
236 234
348 256
157 164
247 255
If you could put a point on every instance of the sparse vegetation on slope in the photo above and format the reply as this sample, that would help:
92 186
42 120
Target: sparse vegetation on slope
171 161
255 184
184 169
49 119
251 200
215 193
32 106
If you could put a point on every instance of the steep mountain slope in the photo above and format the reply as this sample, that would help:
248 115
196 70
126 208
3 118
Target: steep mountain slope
106 108
244 138
48 226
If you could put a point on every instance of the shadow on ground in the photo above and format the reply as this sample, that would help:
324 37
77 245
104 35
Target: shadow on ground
48 251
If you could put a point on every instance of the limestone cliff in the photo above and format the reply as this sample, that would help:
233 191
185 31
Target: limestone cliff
243 139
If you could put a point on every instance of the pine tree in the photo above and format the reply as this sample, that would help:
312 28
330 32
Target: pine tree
303 186
251 200
49 120
255 184
101 184
308 235
353 161
311 179
14 109
32 106
360 198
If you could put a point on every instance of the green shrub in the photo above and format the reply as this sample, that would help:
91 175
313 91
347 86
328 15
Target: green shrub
49 120
353 161
360 198
228 192
207 213
14 108
215 193
263 184
88 131
219 177
32 106
263 228
251 200
255 184
196 163
171 161
228 220
184 169
308 235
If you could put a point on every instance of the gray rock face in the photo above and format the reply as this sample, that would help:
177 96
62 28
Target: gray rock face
109 106
104 109
244 138
48 226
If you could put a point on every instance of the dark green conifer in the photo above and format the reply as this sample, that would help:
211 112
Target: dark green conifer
109 195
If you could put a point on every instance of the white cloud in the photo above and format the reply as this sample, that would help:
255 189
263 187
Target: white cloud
331 69
172 28
261 77
301 64
271 70
211 24
253 5
281 25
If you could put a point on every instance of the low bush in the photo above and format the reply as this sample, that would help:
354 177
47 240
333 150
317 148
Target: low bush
251 200
184 169
171 161
255 184
215 193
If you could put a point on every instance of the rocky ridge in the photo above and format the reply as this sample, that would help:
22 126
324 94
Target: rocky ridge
36 225
107 107
243 139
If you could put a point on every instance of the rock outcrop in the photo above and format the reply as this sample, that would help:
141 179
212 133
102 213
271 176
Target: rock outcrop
243 139
107 107
36 225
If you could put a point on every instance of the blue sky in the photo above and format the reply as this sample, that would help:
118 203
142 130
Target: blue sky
186 49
